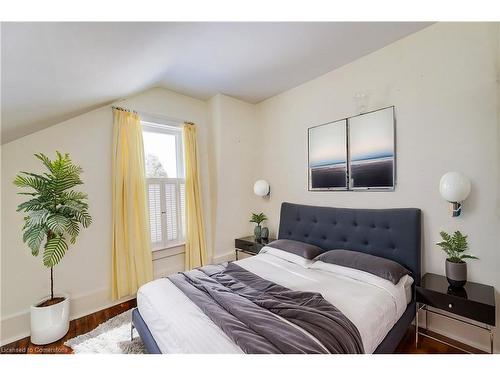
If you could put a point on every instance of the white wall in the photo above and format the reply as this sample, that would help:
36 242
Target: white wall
234 140
85 270
442 81
498 120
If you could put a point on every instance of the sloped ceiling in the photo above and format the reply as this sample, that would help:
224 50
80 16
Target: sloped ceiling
54 71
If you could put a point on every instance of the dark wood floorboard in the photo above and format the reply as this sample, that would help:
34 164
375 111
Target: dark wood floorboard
429 346
88 323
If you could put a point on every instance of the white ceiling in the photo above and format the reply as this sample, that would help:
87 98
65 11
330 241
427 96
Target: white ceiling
54 71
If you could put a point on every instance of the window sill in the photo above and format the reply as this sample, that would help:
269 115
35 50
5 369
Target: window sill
172 246
170 251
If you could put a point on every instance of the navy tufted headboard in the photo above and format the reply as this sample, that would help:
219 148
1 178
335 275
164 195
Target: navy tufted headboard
389 233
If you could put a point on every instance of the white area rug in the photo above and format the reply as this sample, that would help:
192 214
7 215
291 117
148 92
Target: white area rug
111 337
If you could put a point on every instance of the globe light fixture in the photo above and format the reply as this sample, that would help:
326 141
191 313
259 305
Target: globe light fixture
455 188
261 188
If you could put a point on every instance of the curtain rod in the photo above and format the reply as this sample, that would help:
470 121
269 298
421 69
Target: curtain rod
123 109
154 115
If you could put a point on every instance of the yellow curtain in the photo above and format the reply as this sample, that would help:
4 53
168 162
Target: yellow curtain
196 252
132 264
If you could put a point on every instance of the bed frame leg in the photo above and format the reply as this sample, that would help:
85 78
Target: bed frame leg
416 327
491 341
131 331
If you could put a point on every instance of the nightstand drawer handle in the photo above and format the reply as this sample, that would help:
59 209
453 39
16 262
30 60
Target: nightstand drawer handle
450 305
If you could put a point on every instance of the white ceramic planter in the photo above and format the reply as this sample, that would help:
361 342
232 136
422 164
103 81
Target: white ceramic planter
50 323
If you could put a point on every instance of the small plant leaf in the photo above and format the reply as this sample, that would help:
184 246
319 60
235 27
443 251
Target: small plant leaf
34 237
73 230
466 256
54 251
454 246
258 218
84 218
58 223
37 218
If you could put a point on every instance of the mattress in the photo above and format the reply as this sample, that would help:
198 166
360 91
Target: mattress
373 304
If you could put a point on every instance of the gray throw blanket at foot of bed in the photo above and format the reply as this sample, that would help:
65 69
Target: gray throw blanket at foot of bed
263 317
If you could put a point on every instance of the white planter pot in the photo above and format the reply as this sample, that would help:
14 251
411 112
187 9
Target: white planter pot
50 323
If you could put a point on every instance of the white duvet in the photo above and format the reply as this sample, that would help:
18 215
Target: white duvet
373 304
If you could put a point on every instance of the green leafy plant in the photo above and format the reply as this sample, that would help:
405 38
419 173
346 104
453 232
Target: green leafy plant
258 218
455 246
54 212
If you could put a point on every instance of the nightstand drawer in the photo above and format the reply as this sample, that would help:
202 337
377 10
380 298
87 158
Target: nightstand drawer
248 246
456 305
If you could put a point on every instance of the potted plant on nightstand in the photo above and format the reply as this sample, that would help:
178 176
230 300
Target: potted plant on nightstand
258 231
53 216
455 246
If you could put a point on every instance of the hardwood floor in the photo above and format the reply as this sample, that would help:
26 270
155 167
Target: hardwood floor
76 327
89 322
429 346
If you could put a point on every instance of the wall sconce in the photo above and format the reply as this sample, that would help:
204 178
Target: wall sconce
455 188
262 188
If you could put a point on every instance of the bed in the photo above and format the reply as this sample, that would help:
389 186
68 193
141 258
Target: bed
168 322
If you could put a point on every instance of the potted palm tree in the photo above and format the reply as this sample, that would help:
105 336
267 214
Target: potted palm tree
53 216
455 246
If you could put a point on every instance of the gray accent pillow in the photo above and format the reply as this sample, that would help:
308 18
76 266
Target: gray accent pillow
305 250
382 267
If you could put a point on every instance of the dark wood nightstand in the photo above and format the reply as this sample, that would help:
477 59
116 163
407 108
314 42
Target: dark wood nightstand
474 302
249 245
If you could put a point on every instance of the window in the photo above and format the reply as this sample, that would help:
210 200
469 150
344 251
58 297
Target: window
164 164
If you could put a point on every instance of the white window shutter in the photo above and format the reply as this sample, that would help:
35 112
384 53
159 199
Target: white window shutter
183 208
154 196
171 210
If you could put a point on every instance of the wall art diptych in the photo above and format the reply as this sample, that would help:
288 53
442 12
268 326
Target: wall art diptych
356 153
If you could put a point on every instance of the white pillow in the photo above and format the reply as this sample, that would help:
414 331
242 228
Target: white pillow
404 284
407 281
285 255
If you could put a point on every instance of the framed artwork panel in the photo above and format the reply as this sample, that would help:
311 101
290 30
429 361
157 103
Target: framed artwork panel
328 156
372 150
